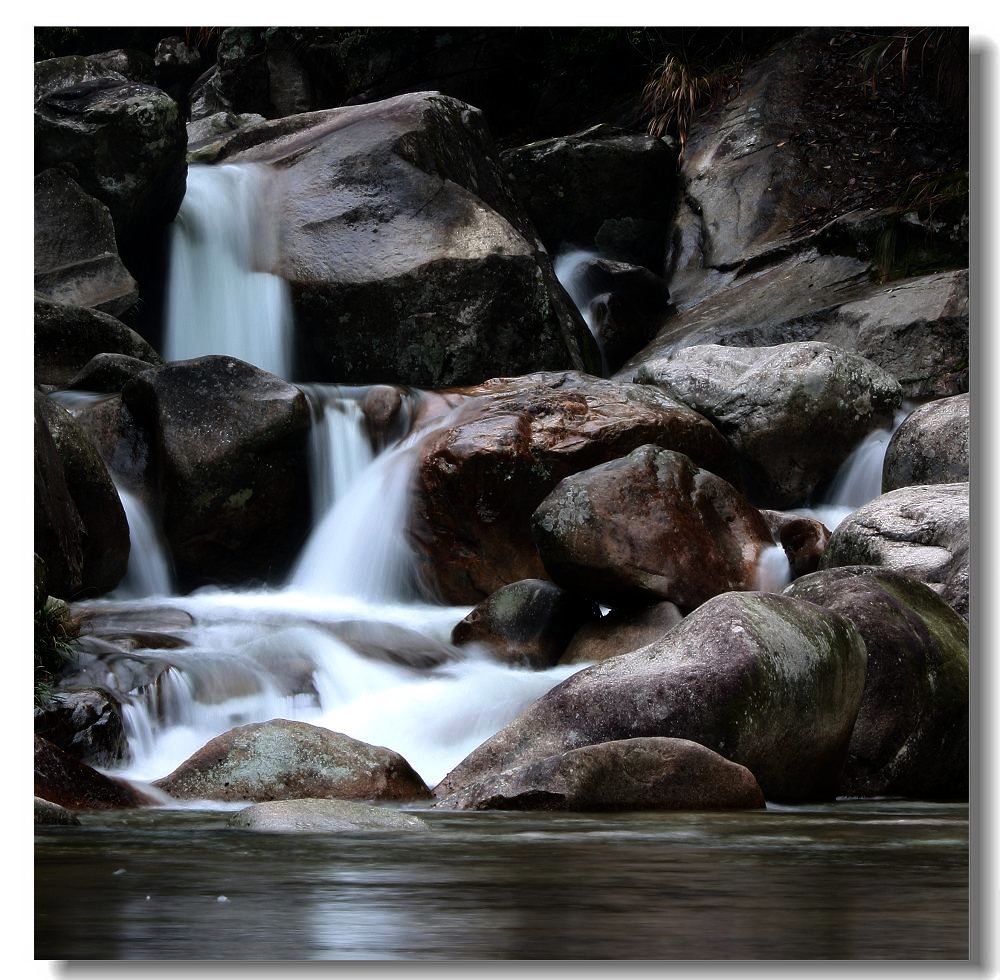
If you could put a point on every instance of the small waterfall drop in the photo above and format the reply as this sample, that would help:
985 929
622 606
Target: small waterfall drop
570 268
219 300
148 572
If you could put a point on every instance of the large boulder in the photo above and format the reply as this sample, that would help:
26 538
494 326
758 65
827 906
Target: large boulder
67 338
64 780
76 254
126 141
631 774
481 476
309 816
230 462
621 631
408 257
86 724
794 412
922 532
652 525
912 734
767 681
931 446
602 188
284 760
104 533
525 624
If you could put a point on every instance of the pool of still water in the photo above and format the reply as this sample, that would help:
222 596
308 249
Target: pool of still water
850 880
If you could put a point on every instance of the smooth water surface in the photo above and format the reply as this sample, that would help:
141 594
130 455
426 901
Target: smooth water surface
851 880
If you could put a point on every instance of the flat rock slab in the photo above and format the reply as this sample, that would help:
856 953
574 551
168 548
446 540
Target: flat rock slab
632 774
322 816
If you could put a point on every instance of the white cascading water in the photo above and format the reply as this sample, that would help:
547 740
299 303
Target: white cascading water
222 299
569 268
148 572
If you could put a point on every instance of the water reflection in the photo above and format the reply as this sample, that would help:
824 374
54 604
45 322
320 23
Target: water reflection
849 880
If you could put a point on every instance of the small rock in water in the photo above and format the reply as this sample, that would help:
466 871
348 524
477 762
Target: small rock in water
222 898
120 871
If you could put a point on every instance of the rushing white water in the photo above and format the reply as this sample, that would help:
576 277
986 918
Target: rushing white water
148 572
221 299
569 268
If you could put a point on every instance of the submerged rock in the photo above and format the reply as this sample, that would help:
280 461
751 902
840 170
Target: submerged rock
525 624
61 779
322 816
922 532
649 526
409 259
931 446
229 445
480 477
284 760
631 774
76 253
769 682
794 412
912 734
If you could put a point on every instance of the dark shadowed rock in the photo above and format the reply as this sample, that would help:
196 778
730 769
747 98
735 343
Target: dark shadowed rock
409 259
126 142
912 734
922 532
480 478
931 446
621 631
86 724
652 525
51 814
794 412
107 373
76 254
309 816
632 774
578 189
525 624
769 682
61 779
104 533
67 338
803 538
229 444
282 760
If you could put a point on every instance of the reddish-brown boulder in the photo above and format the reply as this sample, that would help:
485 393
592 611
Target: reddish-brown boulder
803 538
621 631
480 478
61 779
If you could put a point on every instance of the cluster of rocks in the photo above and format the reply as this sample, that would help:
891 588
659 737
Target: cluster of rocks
750 354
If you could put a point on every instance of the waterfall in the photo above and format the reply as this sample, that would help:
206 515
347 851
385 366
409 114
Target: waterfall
220 300
570 269
148 572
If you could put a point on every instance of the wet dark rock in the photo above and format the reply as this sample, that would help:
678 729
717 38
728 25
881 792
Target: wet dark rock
922 532
177 66
64 780
103 534
68 338
794 412
803 538
525 624
322 816
912 734
578 190
126 141
621 631
390 643
51 814
769 682
931 446
229 457
76 253
107 373
85 724
480 478
649 526
631 774
282 760
409 259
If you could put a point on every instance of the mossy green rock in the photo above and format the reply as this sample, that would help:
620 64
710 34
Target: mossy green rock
767 681
912 734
